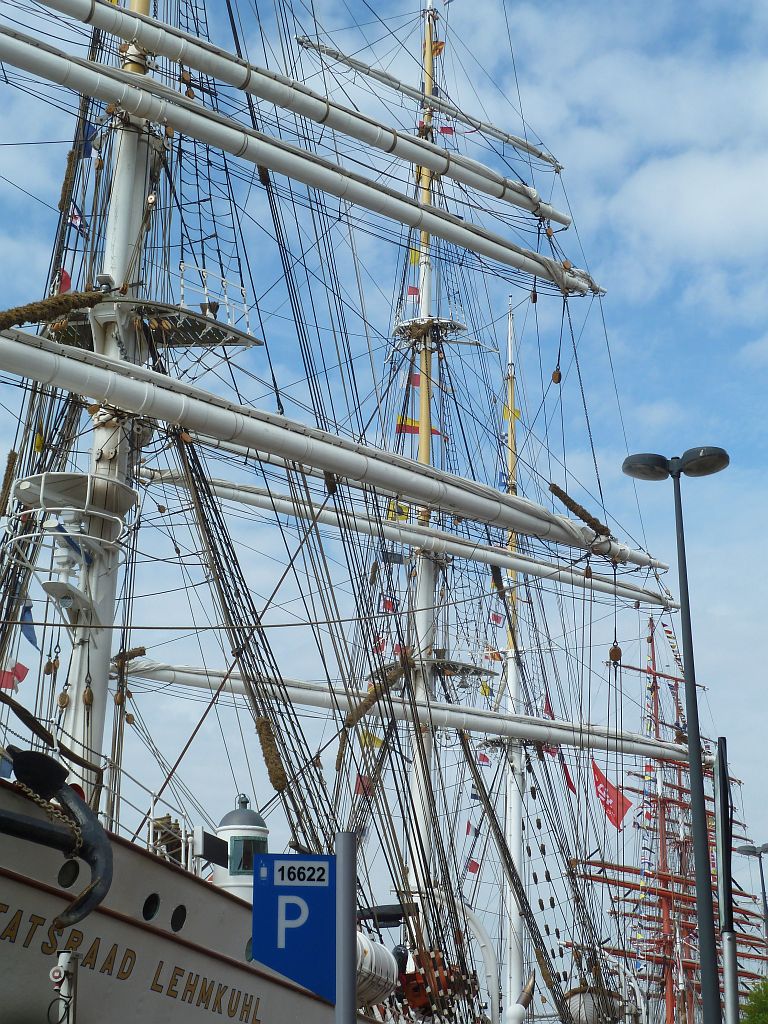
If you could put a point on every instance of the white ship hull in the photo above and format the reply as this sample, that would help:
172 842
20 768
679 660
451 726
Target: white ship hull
132 969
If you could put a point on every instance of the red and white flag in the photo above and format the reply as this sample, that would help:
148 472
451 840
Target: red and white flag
615 804
11 677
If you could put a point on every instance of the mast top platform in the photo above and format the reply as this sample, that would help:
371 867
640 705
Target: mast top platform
417 327
171 326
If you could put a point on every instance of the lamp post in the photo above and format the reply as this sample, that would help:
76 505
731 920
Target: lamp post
694 462
748 850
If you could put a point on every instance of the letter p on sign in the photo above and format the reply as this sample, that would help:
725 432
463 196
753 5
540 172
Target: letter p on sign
284 922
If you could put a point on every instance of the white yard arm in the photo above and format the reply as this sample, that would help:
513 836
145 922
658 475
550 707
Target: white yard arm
154 37
436 102
422 537
160 105
143 392
580 735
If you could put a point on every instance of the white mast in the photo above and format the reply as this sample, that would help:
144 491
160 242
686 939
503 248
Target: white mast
515 781
85 712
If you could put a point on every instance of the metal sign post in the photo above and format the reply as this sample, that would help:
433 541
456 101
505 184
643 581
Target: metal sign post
346 928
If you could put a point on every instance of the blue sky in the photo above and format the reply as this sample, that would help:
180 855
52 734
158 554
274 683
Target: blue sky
659 115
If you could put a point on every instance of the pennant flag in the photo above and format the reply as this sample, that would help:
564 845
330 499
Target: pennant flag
397 511
615 804
496 618
388 604
406 425
566 773
76 220
390 557
473 794
363 786
370 740
483 758
379 645
414 258
473 866
547 707
412 292
447 129
473 830
65 281
505 413
438 45
27 627
11 677
486 690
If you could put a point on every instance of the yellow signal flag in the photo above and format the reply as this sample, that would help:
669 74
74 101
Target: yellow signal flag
398 511
39 438
438 45
414 257
505 413
485 690
370 740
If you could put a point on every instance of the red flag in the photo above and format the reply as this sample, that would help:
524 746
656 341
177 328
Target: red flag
483 759
496 618
473 866
413 292
388 604
615 804
549 713
446 129
566 773
379 645
11 677
65 281
363 786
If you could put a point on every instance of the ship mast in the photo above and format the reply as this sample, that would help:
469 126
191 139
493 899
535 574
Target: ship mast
109 497
426 567
514 773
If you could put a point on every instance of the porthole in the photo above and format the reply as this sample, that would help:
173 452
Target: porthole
151 906
178 917
68 873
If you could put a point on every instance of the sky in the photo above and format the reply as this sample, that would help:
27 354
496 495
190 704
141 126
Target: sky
659 114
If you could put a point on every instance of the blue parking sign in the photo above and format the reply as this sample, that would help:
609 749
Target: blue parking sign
294 919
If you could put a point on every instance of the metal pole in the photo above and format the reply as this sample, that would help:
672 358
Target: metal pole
730 974
710 988
723 847
765 902
346 928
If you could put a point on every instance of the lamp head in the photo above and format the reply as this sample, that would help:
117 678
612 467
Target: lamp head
703 461
748 850
646 467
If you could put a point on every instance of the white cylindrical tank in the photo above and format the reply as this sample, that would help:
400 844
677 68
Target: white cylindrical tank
587 1006
245 832
376 971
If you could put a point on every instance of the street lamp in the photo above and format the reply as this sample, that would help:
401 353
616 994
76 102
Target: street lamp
694 462
748 850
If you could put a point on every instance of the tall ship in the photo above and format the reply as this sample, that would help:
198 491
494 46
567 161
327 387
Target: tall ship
304 532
